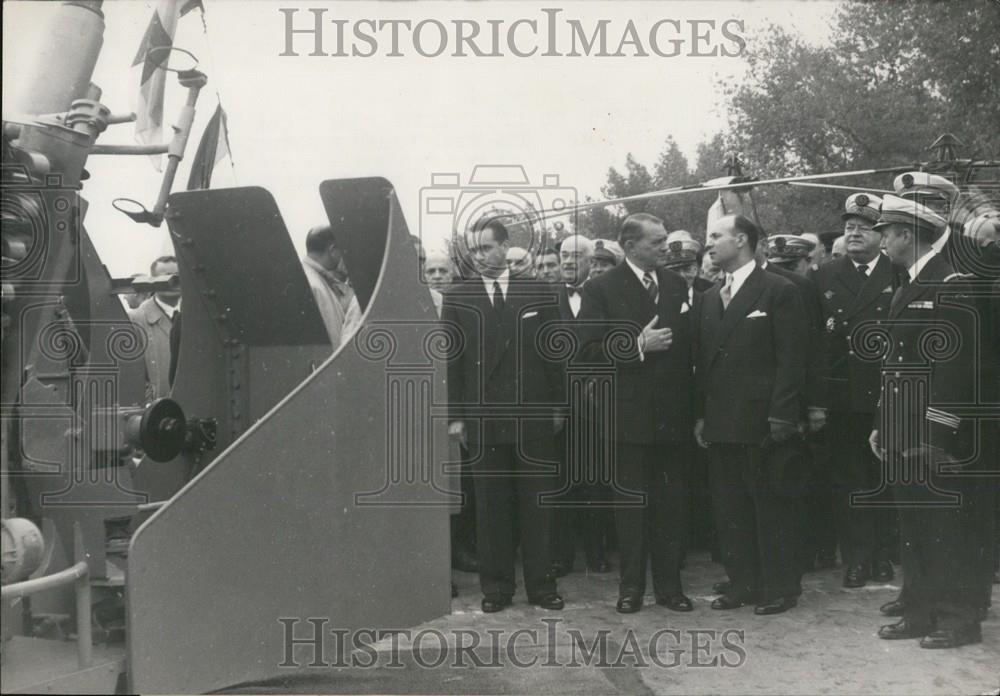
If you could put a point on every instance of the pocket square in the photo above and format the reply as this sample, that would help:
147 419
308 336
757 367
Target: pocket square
756 313
528 315
685 307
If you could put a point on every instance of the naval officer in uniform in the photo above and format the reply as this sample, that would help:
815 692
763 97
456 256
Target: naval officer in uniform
856 291
922 437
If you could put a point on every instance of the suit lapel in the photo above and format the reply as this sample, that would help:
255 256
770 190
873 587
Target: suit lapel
668 298
934 271
565 311
848 277
645 307
878 279
739 305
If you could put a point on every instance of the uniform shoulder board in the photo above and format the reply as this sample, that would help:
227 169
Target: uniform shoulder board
959 276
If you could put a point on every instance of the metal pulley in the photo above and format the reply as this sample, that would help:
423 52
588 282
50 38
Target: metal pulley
159 430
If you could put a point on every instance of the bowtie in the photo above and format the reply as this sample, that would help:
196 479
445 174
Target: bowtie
574 289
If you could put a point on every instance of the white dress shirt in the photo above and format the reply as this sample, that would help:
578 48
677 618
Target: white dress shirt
640 274
503 279
575 299
167 309
739 276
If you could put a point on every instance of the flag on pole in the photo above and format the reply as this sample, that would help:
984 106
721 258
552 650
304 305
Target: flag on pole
152 54
213 148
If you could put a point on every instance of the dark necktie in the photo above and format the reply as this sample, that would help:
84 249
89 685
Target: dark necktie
863 270
899 291
650 285
498 303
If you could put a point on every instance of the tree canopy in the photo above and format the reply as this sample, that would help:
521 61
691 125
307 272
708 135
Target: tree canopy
893 77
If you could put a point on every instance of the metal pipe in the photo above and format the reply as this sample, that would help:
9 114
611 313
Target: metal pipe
194 81
24 588
84 630
150 507
154 149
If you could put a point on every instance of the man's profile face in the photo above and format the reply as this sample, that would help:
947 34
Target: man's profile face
650 250
861 242
688 272
897 242
520 264
818 254
709 270
722 245
166 268
599 266
547 269
574 264
437 272
488 255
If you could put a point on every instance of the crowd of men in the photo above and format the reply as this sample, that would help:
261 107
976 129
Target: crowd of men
763 397
836 400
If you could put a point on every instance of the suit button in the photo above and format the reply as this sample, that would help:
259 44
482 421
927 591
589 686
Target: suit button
840 311
850 352
900 358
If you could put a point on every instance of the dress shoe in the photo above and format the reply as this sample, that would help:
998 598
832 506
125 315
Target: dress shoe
552 600
894 608
904 630
776 606
728 601
722 587
454 590
560 569
856 576
675 602
629 604
496 602
882 571
952 637
463 560
599 566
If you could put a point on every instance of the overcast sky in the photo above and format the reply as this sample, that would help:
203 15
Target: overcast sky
295 121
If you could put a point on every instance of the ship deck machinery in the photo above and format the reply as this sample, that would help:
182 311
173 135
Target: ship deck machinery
157 546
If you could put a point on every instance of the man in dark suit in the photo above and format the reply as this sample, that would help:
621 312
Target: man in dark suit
503 396
929 374
788 256
652 401
584 516
857 290
751 365
684 258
